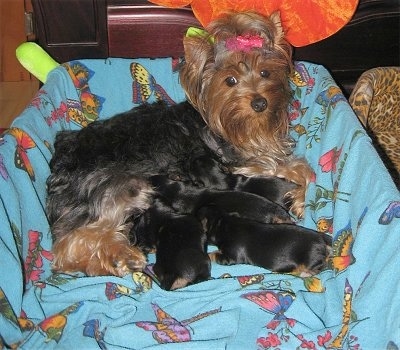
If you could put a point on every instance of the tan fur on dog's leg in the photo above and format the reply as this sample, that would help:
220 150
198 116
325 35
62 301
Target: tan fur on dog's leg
299 172
97 250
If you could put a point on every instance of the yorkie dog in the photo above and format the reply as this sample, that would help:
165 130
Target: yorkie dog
236 81
237 78
99 183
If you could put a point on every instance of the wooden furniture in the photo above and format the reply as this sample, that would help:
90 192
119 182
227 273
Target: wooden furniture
72 29
12 33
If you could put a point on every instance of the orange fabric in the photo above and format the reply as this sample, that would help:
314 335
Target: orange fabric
305 21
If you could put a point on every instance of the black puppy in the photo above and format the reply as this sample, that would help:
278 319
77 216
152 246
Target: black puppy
185 198
207 172
180 244
170 227
284 248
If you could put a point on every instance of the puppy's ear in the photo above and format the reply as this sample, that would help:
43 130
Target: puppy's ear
198 51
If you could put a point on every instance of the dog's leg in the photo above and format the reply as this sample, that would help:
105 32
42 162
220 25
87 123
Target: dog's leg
101 245
97 249
299 172
296 170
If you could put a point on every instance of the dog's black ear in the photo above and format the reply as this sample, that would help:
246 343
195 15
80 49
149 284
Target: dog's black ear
198 52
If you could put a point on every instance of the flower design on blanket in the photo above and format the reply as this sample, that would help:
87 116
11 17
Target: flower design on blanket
328 161
282 333
34 260
324 196
313 284
325 225
57 114
43 102
25 323
168 329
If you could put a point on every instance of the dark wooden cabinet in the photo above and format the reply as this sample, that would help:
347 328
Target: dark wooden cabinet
146 30
69 29
72 29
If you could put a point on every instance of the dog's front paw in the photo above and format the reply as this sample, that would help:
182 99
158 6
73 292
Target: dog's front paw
297 199
299 172
127 259
97 253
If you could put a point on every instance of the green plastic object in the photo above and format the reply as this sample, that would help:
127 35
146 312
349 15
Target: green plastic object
194 32
35 60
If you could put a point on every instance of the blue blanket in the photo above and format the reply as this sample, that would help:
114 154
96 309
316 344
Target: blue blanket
352 305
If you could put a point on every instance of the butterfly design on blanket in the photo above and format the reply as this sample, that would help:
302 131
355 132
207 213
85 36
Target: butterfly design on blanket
144 86
21 159
168 329
276 303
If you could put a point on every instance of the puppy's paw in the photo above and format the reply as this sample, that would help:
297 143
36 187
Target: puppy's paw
220 258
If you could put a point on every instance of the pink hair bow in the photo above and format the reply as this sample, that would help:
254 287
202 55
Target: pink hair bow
244 43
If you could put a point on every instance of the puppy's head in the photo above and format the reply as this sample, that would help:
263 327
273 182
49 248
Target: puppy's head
190 266
237 78
207 172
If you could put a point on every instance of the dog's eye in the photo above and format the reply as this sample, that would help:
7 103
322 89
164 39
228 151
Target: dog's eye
231 81
264 73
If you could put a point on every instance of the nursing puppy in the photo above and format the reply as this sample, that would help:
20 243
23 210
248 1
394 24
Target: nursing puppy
180 244
205 171
284 248
185 198
170 228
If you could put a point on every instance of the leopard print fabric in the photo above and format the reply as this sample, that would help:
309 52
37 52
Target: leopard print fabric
376 101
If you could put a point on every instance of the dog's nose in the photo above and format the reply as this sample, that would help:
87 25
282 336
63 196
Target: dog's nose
259 104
